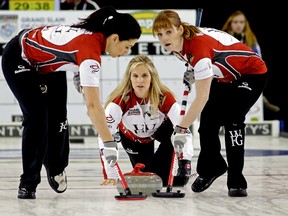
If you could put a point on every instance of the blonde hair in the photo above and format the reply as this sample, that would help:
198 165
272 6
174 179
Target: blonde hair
168 18
250 38
156 90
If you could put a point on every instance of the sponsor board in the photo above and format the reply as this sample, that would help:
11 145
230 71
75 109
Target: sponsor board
11 22
265 128
16 130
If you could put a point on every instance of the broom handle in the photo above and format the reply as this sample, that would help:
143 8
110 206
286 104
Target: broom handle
174 158
122 180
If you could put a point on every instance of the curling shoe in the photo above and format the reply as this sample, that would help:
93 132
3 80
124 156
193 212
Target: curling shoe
202 183
59 182
24 193
237 192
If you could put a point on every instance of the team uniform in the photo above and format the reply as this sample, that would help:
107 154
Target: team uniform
31 60
256 47
64 48
139 128
239 79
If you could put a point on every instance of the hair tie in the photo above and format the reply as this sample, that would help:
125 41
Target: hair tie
108 18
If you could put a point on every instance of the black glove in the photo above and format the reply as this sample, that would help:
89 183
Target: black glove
183 173
189 78
76 81
184 168
117 136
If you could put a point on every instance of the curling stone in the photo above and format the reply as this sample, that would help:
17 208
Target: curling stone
141 182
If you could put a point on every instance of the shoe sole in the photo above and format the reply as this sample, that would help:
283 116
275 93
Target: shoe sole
51 183
26 197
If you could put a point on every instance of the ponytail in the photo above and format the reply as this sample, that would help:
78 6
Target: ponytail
108 21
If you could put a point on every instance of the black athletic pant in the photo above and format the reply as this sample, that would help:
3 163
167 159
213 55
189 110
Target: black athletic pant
227 106
159 161
42 99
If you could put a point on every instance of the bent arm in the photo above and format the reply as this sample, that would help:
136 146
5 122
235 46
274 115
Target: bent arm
96 112
202 88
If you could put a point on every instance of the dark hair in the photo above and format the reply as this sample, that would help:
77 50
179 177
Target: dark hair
108 21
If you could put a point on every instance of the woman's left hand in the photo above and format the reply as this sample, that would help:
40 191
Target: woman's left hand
108 182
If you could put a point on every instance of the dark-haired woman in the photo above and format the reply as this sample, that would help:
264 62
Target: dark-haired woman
49 49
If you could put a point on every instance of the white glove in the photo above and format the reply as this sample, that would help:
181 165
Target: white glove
110 152
189 78
179 138
76 81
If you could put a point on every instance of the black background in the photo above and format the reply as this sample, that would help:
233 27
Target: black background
265 18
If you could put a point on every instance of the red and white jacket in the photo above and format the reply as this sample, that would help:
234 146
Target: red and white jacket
216 53
64 48
133 117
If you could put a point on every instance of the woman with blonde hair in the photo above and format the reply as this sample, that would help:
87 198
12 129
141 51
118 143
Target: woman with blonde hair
142 110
